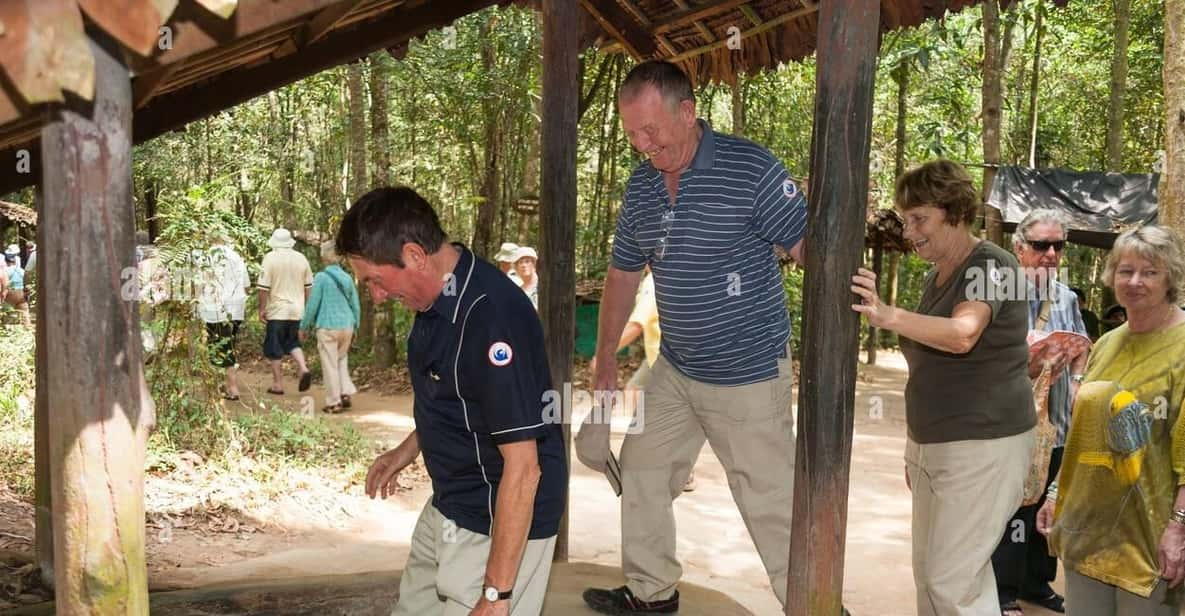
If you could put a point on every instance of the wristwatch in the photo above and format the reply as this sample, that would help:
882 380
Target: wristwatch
493 595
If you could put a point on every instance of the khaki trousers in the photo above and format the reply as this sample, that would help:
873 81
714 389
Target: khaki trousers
751 430
964 493
333 345
446 568
1086 596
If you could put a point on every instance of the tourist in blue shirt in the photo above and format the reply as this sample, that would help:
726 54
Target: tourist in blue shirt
333 308
484 542
16 286
705 213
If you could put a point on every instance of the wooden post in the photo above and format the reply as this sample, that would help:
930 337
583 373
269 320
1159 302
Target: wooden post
878 260
42 499
838 197
100 409
557 297
1172 180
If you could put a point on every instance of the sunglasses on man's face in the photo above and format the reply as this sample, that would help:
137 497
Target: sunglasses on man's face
1043 245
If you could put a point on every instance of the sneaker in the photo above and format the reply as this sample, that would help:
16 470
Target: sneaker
622 602
306 381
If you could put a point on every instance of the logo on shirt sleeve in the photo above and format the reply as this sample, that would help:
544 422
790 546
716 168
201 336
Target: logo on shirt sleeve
500 353
790 189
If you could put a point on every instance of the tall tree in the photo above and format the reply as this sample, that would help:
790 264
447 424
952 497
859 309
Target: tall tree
384 334
1172 182
1039 28
487 210
357 179
1115 104
994 58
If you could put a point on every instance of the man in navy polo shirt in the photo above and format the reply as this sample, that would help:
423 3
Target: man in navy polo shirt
484 542
705 212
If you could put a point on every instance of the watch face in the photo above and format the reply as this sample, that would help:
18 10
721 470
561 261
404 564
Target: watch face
491 594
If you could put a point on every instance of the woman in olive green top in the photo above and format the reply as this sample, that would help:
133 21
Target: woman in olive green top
969 402
1116 515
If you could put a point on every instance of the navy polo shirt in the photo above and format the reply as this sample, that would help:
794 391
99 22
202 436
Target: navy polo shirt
721 305
479 372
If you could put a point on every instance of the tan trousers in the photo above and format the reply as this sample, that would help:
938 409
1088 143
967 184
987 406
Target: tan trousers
750 428
334 347
1086 596
447 564
964 493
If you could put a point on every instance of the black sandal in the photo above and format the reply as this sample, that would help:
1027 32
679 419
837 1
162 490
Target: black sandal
1011 608
1054 602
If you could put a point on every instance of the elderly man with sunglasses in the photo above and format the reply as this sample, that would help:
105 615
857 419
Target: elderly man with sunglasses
1023 566
704 211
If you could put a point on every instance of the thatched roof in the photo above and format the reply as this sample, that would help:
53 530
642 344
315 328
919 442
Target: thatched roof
715 41
190 59
18 213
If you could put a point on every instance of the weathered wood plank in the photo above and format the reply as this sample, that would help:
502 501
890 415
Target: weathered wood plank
557 298
621 26
838 196
100 410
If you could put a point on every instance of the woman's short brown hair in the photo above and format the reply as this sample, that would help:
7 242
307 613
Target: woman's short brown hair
942 184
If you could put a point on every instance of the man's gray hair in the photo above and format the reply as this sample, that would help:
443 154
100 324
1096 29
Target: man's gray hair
670 80
1036 217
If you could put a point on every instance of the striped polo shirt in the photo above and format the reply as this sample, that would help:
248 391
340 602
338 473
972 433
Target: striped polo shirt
719 288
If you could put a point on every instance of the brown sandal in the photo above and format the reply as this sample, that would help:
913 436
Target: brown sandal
333 409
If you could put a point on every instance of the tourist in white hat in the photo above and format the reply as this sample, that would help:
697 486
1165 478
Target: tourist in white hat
284 284
525 259
505 260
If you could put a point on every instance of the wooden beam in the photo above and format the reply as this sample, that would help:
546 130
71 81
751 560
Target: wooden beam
146 86
838 196
751 15
768 25
325 21
691 15
557 218
175 109
621 27
42 493
636 12
101 410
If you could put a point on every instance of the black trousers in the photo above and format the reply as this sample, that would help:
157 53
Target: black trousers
1021 562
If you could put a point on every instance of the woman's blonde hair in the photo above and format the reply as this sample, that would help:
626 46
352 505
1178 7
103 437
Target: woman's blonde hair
1156 244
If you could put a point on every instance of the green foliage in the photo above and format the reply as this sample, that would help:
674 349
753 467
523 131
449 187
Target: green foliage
16 409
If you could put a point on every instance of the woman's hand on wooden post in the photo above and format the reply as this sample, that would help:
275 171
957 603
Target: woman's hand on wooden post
871 306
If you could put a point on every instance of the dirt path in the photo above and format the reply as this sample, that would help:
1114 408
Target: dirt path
361 535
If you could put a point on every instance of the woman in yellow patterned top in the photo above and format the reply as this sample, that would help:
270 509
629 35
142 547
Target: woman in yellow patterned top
1116 514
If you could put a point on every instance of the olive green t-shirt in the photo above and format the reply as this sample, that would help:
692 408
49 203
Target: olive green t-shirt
985 393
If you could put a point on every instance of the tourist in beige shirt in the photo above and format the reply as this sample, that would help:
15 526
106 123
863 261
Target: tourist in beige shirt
284 284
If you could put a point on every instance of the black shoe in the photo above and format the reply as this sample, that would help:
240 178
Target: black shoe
346 402
622 602
306 381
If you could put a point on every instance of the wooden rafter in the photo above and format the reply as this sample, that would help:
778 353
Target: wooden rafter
751 15
691 15
703 29
326 20
146 86
767 25
621 27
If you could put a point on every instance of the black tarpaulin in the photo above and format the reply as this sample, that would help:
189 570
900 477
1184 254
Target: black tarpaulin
1098 205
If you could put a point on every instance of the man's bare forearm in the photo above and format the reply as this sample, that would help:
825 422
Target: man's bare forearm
512 522
617 302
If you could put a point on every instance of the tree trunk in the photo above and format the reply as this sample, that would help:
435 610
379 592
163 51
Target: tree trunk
891 285
1172 181
384 334
487 210
900 75
1035 82
992 96
840 145
738 107
1115 104
557 297
96 393
42 491
357 180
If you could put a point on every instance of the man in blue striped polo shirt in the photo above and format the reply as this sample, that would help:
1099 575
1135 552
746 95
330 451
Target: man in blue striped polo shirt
705 212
